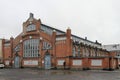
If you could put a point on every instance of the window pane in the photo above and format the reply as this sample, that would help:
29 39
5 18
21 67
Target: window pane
31 48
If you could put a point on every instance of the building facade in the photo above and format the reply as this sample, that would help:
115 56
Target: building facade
113 48
39 45
1 54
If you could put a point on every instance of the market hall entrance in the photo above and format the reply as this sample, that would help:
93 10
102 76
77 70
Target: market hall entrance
47 60
17 61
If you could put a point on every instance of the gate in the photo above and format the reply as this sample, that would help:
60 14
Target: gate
47 60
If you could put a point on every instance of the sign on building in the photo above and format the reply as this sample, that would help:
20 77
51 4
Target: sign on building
96 62
30 62
77 62
7 62
60 62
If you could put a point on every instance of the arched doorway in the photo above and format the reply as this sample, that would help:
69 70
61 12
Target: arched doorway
17 61
47 60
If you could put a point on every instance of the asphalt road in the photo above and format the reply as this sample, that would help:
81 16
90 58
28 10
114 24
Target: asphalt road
37 74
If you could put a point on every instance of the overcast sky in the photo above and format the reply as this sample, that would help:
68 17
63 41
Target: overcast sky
94 19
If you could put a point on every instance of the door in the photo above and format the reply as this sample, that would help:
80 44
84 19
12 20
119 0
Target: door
17 62
47 60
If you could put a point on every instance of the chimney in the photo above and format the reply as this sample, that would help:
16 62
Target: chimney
31 15
68 33
85 38
96 41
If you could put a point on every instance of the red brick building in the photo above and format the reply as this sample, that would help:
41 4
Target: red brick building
113 48
39 45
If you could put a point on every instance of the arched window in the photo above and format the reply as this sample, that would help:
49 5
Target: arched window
79 51
31 27
87 51
94 52
31 48
73 52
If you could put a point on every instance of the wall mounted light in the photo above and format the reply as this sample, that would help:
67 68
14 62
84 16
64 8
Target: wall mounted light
41 38
20 41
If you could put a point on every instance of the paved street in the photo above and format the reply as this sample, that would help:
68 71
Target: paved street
36 74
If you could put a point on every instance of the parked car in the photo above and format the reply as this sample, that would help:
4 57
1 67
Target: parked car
2 65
